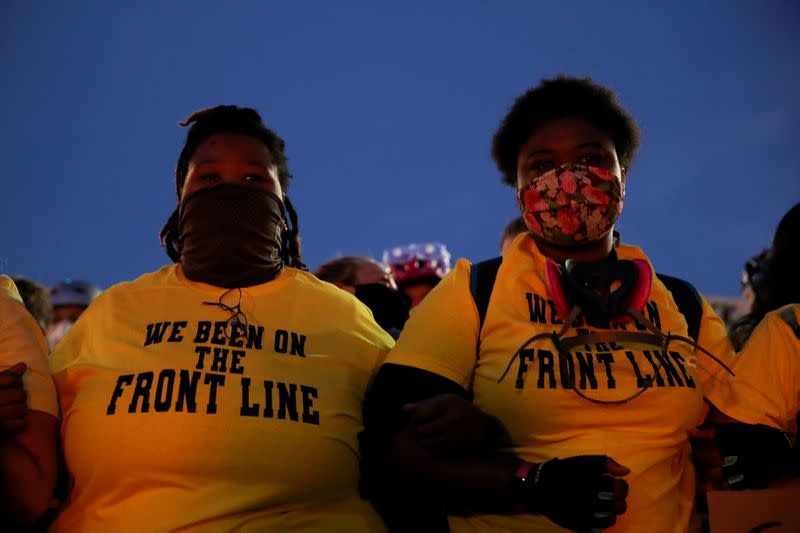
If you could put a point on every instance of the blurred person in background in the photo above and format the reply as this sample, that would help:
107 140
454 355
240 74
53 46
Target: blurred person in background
512 229
417 268
28 415
754 276
373 284
766 387
732 310
772 276
70 298
37 301
222 392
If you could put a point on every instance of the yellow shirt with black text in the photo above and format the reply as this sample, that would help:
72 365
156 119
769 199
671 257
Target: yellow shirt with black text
544 416
173 420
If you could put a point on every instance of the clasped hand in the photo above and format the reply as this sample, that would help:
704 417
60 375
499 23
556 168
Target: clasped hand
579 493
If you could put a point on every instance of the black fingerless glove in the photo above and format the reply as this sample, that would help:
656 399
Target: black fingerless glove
753 455
575 493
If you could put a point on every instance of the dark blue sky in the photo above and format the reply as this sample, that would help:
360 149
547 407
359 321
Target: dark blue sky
388 111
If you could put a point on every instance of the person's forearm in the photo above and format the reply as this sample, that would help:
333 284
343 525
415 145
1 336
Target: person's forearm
578 492
396 455
478 484
28 467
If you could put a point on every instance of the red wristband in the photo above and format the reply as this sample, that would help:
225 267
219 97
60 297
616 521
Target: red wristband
523 471
523 476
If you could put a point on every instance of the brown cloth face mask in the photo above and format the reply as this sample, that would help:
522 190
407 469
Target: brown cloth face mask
231 236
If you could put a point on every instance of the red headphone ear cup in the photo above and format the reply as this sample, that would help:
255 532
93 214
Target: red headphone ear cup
644 286
640 293
555 287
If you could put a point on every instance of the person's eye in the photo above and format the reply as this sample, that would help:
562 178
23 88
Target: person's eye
211 176
254 177
542 165
592 159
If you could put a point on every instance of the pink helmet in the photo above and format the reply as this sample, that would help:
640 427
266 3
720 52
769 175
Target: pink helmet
417 262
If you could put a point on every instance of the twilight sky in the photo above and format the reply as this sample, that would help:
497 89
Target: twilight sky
388 110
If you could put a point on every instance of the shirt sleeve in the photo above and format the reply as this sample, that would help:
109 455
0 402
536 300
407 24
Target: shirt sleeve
21 340
369 340
713 337
766 388
442 333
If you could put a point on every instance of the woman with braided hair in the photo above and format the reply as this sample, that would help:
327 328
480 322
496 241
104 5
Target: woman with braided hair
218 119
222 392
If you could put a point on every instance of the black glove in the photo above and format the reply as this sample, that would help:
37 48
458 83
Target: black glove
578 493
753 455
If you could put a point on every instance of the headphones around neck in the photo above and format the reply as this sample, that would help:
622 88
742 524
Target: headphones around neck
627 283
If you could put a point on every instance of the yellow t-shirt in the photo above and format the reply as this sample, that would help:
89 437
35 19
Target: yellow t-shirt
545 419
171 422
21 340
766 388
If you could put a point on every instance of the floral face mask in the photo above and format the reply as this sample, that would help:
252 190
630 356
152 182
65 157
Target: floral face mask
571 204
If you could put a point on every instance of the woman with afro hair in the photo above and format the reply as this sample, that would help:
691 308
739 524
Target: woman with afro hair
566 399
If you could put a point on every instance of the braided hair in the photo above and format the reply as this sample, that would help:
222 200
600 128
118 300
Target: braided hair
232 119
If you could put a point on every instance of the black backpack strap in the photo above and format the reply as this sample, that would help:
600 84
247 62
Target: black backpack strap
688 301
481 283
787 315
